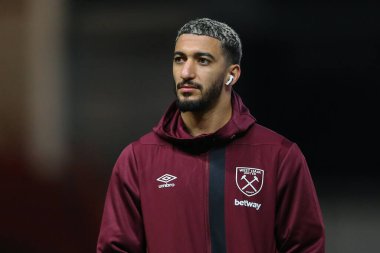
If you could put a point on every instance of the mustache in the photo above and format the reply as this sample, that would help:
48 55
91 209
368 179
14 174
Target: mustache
189 83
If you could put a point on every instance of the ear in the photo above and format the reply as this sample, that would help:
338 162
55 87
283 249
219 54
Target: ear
234 71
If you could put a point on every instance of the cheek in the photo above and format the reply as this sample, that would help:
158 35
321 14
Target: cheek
210 77
176 74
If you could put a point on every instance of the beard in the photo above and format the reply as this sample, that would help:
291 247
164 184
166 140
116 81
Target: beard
208 98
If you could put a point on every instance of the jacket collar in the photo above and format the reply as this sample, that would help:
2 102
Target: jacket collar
171 127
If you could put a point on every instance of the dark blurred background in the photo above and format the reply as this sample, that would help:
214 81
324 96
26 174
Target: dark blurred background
81 79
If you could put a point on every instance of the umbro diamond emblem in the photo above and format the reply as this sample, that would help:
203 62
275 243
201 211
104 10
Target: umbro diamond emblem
166 179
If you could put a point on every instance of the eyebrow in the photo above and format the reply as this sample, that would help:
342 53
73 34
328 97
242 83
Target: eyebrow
197 54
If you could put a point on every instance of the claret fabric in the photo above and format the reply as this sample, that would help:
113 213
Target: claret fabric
242 189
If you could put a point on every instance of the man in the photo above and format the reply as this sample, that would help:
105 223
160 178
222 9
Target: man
208 178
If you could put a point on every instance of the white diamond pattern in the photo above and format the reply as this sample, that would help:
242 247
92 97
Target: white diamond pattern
166 178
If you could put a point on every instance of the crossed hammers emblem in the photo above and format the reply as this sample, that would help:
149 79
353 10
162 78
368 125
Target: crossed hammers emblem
249 183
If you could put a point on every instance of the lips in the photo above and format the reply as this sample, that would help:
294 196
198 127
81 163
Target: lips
189 85
187 89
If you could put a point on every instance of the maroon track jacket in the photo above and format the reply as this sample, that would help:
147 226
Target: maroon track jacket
242 189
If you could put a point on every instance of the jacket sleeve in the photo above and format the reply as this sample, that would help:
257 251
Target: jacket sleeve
122 228
299 224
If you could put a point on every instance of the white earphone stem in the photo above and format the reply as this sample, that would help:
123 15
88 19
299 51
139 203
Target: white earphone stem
230 80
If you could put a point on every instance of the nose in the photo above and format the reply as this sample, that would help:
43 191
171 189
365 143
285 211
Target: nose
188 70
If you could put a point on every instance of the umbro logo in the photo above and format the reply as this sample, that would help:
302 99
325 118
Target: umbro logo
166 179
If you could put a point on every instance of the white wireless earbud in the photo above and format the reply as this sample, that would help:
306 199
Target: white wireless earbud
230 80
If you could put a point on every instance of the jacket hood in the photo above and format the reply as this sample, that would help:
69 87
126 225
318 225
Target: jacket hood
172 128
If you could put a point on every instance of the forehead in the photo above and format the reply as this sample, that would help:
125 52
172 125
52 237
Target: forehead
189 43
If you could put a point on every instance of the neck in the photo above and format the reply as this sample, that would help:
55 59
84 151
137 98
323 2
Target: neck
209 121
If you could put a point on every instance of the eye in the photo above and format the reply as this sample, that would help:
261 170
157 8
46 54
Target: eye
204 61
178 59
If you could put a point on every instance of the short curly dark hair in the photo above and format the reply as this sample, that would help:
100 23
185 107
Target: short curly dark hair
230 40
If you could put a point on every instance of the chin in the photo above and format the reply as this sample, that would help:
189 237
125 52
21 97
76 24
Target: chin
188 97
186 102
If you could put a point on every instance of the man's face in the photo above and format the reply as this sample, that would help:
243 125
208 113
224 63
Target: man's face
199 70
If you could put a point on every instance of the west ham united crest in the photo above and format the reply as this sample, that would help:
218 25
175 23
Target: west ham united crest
249 180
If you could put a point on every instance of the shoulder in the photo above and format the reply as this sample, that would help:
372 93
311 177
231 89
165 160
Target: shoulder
150 138
261 135
146 141
139 148
270 143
